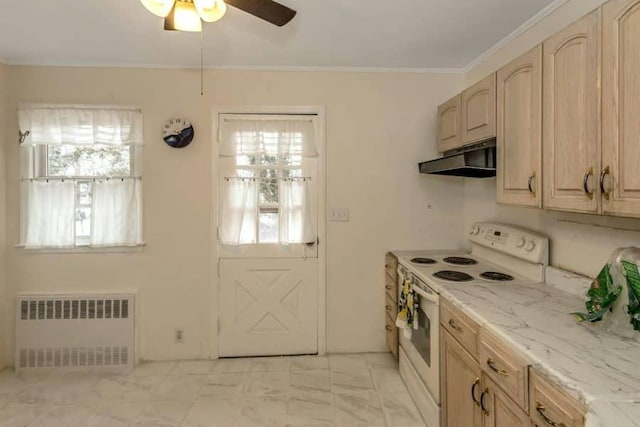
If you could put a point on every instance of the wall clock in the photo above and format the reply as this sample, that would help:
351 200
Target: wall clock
177 133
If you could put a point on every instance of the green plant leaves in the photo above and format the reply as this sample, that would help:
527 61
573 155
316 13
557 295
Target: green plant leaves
602 294
633 285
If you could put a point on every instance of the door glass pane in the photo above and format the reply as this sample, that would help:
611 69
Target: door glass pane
83 212
268 227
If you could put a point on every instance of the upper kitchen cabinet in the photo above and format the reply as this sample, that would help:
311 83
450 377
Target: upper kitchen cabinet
479 111
620 179
519 133
571 111
449 124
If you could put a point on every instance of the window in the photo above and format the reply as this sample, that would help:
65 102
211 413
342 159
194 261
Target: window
81 177
265 192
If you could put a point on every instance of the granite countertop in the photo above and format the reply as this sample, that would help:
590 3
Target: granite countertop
598 369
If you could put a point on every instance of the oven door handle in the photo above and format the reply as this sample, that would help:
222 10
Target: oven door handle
435 299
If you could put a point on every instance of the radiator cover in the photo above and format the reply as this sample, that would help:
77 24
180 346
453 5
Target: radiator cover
75 331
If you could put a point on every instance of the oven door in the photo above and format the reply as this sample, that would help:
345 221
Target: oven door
423 349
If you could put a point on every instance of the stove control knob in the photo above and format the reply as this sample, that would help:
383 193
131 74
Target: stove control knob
520 242
530 246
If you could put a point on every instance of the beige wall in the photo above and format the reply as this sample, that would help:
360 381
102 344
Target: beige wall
379 126
580 243
4 293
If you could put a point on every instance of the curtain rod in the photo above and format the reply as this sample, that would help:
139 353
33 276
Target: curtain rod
293 178
80 178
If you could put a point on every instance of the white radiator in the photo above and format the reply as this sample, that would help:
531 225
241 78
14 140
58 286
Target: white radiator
71 331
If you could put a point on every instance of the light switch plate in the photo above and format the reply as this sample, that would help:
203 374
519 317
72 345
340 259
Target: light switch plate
339 215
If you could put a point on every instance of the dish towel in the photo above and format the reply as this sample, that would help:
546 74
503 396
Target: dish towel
408 306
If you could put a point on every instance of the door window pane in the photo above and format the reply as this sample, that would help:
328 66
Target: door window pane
268 227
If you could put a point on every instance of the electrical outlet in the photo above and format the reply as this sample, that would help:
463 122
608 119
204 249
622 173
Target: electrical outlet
179 336
339 214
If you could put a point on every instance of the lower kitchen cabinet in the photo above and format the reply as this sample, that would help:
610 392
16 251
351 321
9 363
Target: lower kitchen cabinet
391 302
498 409
460 384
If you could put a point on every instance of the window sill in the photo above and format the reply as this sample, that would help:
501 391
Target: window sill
84 250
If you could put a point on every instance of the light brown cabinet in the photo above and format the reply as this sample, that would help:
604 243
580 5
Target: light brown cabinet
519 133
391 302
552 406
620 93
571 140
479 111
450 124
498 388
499 409
460 388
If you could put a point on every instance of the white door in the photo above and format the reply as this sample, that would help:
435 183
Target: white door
268 266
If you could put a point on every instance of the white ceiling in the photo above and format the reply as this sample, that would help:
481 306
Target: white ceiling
409 34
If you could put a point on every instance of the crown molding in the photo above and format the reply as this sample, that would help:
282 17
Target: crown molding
516 33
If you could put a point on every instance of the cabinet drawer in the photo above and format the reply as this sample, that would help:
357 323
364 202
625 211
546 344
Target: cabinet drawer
391 288
460 326
391 266
392 335
505 367
391 307
549 404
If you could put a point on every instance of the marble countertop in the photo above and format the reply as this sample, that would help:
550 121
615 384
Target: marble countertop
596 368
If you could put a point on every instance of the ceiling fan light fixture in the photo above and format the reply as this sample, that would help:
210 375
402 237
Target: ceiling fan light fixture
159 8
183 17
211 10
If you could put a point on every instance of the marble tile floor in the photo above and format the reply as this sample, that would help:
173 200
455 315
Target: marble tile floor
354 390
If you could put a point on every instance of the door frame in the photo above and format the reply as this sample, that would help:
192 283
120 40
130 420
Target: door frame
320 112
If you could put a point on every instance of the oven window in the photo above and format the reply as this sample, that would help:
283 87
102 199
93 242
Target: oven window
421 338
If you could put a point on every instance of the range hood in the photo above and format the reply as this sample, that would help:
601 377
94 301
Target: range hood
474 161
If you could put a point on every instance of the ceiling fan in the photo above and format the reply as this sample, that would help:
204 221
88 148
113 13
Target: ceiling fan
187 15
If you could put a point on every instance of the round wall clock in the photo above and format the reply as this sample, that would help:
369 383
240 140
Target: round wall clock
177 133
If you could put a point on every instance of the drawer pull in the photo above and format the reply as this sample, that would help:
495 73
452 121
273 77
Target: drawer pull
541 408
473 391
388 328
492 365
388 307
484 408
453 324
387 287
530 184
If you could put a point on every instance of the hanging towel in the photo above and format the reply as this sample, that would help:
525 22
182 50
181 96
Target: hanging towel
408 306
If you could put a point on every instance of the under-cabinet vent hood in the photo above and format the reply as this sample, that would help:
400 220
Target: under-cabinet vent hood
474 161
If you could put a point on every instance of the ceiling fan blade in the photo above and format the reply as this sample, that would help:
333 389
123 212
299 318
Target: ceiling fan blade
268 10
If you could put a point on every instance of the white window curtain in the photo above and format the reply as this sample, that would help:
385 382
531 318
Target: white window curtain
239 210
290 135
79 125
116 207
50 211
296 225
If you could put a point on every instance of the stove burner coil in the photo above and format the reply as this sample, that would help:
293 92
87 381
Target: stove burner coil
495 276
453 276
457 260
423 261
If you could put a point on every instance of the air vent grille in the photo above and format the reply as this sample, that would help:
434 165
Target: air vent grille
75 331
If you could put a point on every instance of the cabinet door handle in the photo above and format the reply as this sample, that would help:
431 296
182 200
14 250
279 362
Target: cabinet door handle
473 391
387 287
388 307
482 406
540 408
388 328
603 176
492 365
453 324
530 184
585 183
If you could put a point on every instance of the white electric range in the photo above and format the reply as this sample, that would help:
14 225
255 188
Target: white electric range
500 254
